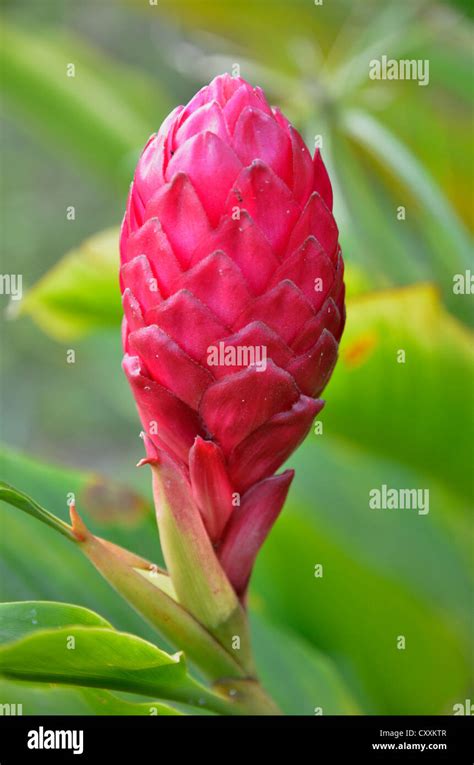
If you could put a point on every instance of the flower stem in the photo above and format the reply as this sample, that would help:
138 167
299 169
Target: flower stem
233 697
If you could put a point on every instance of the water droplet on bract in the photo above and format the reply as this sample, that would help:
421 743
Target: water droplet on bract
147 388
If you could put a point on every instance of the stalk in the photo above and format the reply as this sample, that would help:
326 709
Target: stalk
234 697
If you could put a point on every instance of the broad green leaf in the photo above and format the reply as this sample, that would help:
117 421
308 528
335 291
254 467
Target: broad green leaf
98 658
21 618
102 658
95 657
18 698
104 703
81 293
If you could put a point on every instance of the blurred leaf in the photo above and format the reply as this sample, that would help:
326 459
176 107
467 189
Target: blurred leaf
104 113
81 293
422 126
225 21
57 486
428 554
110 502
390 572
21 618
355 614
371 220
406 411
392 26
298 677
444 230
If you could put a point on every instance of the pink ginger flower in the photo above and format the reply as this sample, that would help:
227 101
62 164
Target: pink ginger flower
233 294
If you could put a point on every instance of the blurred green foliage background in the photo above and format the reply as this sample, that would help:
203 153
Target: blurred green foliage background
327 642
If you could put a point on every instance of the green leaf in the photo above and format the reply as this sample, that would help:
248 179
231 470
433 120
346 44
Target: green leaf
99 658
95 657
20 618
81 293
30 699
104 703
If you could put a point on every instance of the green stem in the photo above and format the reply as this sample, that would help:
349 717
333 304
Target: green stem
233 697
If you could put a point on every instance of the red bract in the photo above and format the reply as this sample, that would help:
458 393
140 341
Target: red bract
232 281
